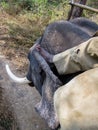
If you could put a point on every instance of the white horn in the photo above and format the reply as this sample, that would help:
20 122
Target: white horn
16 79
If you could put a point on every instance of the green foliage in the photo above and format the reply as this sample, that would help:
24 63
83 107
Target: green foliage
53 9
4 4
33 4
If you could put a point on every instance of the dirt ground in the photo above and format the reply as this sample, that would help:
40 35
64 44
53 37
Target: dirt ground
21 99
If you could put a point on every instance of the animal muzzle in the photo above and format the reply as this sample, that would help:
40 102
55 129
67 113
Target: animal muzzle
15 78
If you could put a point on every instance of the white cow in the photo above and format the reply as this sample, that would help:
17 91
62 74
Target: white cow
76 103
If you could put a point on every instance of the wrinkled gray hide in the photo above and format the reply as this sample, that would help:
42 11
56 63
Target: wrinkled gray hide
17 105
57 37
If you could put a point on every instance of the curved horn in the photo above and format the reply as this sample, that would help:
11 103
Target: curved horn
16 79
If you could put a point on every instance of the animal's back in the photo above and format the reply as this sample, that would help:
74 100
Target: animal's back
62 35
77 102
85 24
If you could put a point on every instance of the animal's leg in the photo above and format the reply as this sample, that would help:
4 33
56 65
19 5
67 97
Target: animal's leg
45 107
51 83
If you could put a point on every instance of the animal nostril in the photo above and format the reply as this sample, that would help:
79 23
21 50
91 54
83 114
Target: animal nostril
78 50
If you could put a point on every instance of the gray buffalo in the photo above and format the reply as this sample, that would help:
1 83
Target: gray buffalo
58 37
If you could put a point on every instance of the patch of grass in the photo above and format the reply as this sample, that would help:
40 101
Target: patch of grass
26 29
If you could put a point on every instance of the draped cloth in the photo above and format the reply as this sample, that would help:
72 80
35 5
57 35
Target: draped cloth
79 58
